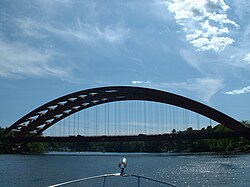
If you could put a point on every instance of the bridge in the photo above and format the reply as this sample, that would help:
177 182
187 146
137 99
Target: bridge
122 113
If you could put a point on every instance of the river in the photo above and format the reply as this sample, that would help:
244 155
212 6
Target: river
179 169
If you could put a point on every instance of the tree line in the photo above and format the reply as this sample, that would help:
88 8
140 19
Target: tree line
204 145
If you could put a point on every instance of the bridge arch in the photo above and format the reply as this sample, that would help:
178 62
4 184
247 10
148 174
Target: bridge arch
50 113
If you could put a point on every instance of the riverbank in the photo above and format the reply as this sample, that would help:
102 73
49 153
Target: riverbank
204 145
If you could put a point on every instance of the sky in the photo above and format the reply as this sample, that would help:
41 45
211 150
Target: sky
198 49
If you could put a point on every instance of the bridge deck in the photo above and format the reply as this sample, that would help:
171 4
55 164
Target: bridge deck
141 137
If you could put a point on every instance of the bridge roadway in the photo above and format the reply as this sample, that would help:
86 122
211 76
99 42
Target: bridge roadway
140 137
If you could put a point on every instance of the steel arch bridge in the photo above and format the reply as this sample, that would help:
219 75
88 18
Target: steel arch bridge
43 117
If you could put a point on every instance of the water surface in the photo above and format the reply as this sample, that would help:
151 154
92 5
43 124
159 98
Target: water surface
179 169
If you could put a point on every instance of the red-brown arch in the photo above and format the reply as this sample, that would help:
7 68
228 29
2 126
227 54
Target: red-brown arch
50 113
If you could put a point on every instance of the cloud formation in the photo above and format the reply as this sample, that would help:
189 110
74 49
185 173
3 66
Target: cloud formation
204 23
80 31
240 91
18 60
91 33
140 82
204 88
247 58
23 58
30 27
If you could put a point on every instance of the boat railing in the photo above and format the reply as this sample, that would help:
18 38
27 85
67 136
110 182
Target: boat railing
122 165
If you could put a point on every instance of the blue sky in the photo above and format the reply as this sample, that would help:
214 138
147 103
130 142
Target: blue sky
198 49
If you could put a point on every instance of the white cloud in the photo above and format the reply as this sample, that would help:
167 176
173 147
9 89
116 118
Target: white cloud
239 58
112 33
203 22
247 58
29 56
222 19
137 82
215 43
81 32
18 60
31 27
240 91
140 82
203 88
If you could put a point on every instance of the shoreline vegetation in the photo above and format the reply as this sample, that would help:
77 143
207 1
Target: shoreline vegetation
227 145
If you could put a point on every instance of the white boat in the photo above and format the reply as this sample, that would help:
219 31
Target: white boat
122 166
